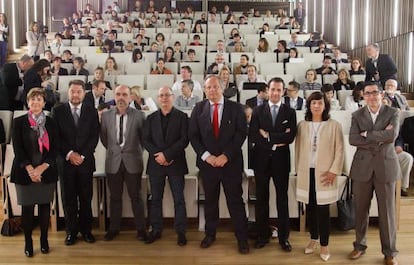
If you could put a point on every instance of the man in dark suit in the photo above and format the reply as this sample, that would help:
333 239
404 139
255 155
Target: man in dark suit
78 130
217 132
299 13
12 77
272 129
96 96
121 134
165 138
292 98
259 99
375 167
379 67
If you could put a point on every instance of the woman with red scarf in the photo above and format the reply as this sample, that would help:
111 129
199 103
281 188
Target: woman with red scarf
34 169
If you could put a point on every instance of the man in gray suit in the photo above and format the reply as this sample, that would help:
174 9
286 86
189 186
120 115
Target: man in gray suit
121 134
375 166
393 98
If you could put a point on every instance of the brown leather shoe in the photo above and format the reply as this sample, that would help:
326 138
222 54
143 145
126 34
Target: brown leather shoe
391 261
356 254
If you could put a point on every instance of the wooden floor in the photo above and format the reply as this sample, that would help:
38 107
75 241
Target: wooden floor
125 249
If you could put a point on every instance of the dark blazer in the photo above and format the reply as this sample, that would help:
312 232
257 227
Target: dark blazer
88 86
262 150
385 67
252 102
349 86
90 100
407 131
62 71
231 137
299 103
82 139
31 79
26 150
172 145
2 133
82 71
11 79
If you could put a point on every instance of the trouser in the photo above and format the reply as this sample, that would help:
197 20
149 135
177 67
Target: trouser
3 53
406 163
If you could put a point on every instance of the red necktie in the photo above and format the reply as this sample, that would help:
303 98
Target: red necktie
216 121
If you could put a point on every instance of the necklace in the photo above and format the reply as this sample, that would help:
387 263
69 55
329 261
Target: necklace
315 135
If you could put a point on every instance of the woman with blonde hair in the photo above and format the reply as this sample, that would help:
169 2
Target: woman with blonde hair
140 103
111 67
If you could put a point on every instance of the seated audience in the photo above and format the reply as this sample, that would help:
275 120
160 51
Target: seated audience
99 75
178 53
326 68
181 28
322 47
186 100
394 99
251 77
344 82
197 27
218 64
169 55
356 99
57 68
229 88
196 40
328 91
96 96
161 69
292 98
261 97
78 67
111 67
191 56
294 42
140 103
67 56
137 56
263 46
356 67
310 83
185 74
241 69
337 56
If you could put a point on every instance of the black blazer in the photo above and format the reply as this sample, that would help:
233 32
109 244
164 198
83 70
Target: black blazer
407 131
90 100
26 151
11 79
31 79
252 102
231 137
299 105
82 71
62 71
385 67
349 86
2 133
82 139
262 150
173 145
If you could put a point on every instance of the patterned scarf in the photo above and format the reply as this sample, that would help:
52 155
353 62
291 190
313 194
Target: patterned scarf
37 123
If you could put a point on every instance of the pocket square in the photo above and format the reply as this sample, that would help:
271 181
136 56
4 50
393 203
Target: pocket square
285 121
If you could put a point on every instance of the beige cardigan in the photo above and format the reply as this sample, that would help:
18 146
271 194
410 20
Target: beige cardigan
329 157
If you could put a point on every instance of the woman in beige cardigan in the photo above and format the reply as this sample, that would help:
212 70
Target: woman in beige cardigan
319 160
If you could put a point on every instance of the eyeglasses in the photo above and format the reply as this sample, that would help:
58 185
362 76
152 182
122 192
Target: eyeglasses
373 93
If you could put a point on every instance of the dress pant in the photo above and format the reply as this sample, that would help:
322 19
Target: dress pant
233 190
406 163
318 215
116 187
157 191
77 192
281 182
385 193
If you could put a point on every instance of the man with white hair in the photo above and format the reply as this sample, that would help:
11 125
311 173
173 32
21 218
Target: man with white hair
394 99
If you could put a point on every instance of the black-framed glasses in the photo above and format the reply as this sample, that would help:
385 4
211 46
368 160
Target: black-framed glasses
373 93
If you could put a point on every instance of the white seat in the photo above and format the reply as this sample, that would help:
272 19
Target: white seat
63 85
150 57
342 95
330 79
271 68
138 68
211 57
173 66
344 117
286 78
313 58
181 37
235 56
80 42
297 68
197 68
200 52
246 94
157 81
97 58
307 93
6 117
131 80
122 58
265 57
272 39
358 78
346 66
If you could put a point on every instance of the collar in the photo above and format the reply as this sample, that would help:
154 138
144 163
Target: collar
73 106
376 113
220 102
278 104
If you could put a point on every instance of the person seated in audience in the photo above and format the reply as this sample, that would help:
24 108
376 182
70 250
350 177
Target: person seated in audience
57 46
67 56
155 22
135 25
406 163
226 9
337 56
178 53
162 43
67 34
356 67
265 28
310 83
95 96
115 7
243 20
110 29
236 39
57 68
241 69
181 28
137 56
326 68
220 47
169 55
238 47
202 20
291 24
109 47
187 15
129 47
251 77
256 13
283 23
48 55
85 34
111 67
76 31
137 6
229 88
292 98
322 47
139 42
98 75
356 99
186 100
394 99
161 69
261 97
230 19
78 67
196 40
328 91
293 53
219 63
66 24
294 42
153 47
151 6
212 19
314 39
197 28
89 24
145 38
140 103
98 41
263 46
87 10
280 13
343 82
268 14
191 56
281 47
119 45
186 74
147 23
233 32
117 26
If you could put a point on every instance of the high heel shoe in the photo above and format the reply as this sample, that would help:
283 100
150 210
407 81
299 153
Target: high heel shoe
311 247
28 249
325 256
44 246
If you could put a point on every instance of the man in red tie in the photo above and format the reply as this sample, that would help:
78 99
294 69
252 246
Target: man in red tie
217 131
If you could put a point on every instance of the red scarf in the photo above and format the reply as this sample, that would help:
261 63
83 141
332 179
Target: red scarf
38 125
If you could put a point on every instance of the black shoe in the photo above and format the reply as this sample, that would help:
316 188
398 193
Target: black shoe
286 246
207 241
70 239
261 242
404 192
110 235
152 236
243 246
28 249
44 246
142 235
181 239
88 237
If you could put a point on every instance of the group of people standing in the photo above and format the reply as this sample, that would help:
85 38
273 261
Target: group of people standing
216 130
